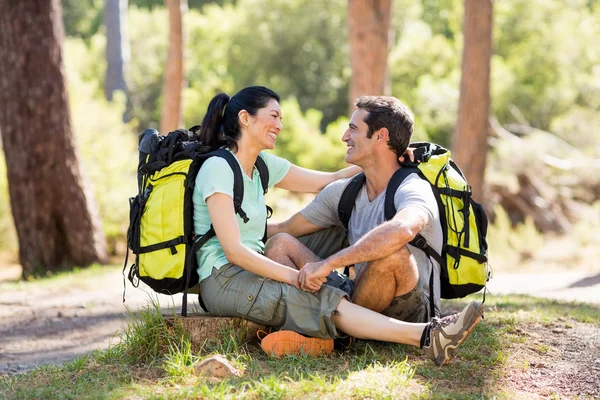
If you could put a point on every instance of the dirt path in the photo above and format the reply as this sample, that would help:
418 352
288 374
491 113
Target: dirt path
43 324
51 323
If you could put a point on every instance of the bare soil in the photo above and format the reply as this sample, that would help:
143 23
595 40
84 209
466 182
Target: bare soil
50 323
561 358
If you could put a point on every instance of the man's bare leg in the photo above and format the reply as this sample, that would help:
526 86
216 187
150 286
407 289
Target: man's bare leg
287 250
381 280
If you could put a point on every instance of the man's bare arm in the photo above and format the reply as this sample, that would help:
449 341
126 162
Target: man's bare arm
296 226
381 242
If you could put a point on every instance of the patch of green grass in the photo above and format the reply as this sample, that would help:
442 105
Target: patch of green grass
155 360
149 336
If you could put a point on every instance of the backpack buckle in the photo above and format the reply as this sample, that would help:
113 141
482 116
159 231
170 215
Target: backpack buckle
419 242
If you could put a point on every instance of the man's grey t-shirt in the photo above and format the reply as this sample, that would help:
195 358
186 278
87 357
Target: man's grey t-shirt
413 192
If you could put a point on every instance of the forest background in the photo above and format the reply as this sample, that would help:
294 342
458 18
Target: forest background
533 158
545 98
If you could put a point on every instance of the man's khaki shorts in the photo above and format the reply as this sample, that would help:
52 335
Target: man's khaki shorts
410 307
232 291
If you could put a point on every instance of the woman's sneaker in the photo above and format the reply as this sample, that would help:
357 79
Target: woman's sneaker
282 343
442 336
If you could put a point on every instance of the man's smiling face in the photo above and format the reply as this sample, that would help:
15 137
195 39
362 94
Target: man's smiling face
355 137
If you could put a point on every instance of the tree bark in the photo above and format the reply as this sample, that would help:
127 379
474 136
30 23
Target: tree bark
117 47
172 113
54 214
368 35
469 145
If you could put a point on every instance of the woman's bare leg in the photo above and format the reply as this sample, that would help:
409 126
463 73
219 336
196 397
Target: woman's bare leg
362 323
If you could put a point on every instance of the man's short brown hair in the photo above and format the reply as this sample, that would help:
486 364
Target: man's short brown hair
388 112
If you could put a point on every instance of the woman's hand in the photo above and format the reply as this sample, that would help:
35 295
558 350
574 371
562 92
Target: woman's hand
313 275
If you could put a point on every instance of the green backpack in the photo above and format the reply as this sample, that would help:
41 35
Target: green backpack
463 259
161 225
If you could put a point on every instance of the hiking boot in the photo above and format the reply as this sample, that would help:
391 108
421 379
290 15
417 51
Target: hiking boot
283 343
343 343
443 336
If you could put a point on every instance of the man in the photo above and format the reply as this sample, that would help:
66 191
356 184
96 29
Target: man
392 277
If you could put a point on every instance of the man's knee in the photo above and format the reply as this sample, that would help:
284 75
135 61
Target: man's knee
401 261
400 267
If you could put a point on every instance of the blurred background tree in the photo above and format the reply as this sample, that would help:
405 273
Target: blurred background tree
174 80
55 216
470 140
368 36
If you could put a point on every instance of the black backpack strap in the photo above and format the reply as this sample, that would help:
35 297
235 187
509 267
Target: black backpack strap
399 176
346 204
195 247
238 181
419 241
263 171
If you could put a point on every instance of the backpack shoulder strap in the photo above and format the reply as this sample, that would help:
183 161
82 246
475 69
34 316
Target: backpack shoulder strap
348 198
238 181
263 171
397 179
419 241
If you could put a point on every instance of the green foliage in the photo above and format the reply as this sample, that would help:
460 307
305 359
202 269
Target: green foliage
8 235
148 43
275 44
302 143
539 67
150 4
107 147
552 68
425 69
149 337
82 18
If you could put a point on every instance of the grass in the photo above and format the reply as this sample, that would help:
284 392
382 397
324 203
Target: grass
155 360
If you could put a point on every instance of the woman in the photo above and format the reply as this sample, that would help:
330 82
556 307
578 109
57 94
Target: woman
237 280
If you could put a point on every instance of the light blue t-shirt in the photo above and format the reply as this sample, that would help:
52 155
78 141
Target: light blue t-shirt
214 176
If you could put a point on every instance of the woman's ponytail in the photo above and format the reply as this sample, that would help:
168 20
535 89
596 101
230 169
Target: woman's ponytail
211 130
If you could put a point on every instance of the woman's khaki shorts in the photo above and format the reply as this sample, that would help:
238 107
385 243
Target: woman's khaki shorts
231 291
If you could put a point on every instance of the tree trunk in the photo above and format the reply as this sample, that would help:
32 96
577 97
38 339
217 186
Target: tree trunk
172 114
368 34
117 47
55 218
469 146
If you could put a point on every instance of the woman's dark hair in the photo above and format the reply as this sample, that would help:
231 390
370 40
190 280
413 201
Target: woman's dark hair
220 126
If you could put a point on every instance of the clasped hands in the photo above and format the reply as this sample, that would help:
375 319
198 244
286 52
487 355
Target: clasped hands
312 276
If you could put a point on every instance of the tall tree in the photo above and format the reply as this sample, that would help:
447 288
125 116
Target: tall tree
469 144
172 111
117 46
368 34
55 218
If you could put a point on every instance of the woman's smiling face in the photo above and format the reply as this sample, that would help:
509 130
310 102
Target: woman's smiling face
266 124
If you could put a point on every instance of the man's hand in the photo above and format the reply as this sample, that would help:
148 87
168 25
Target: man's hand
313 275
409 152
